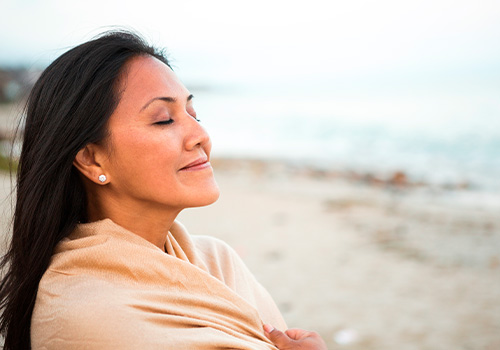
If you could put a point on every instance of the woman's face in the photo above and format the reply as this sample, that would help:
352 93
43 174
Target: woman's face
158 151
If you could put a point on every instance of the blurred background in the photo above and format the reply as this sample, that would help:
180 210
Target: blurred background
356 144
369 86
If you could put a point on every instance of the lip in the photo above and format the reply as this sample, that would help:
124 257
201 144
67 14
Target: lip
200 163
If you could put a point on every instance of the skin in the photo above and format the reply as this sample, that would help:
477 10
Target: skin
156 163
294 339
145 156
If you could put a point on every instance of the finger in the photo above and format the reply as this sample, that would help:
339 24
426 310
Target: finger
278 338
296 333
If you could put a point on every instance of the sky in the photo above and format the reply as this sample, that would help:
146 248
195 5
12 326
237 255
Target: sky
220 41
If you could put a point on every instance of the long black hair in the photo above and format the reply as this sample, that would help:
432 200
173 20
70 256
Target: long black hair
68 108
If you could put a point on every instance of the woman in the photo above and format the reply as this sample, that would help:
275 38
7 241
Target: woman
112 153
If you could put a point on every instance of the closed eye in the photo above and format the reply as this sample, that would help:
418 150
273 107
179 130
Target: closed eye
164 122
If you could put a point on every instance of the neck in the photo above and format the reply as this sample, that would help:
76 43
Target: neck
144 220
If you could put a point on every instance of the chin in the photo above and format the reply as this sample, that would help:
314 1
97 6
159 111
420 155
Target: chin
209 196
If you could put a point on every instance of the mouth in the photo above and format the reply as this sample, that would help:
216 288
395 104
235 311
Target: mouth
199 164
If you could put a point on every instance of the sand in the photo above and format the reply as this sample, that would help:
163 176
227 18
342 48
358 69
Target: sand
369 265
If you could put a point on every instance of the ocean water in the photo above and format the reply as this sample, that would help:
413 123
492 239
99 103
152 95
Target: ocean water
442 137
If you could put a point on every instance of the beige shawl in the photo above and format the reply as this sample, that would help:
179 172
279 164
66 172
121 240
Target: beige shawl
107 288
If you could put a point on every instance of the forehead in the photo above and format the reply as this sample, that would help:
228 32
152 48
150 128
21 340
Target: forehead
145 78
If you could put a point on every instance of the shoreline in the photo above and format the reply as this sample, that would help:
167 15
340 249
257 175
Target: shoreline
397 179
362 168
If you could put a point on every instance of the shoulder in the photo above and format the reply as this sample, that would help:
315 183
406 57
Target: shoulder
220 259
225 264
212 245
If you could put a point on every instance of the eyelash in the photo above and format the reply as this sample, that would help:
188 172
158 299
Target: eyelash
170 121
165 122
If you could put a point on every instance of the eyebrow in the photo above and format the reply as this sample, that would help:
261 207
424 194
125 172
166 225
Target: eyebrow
165 99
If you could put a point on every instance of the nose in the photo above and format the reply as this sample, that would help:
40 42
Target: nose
196 136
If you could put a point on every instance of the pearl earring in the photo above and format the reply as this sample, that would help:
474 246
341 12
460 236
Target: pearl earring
102 178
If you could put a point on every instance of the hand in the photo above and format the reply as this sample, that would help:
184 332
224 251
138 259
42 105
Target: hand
294 339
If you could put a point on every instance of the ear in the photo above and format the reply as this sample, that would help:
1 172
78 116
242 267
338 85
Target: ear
86 161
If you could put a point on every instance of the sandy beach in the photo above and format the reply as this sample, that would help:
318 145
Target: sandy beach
369 266
368 263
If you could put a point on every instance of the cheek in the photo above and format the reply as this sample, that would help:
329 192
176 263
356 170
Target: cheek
145 156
